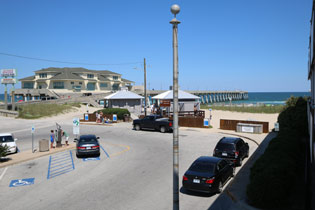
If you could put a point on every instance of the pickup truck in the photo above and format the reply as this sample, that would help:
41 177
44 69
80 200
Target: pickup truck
153 122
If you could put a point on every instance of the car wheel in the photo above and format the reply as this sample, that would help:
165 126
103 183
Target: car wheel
247 154
137 127
162 129
78 156
233 172
220 187
240 162
16 150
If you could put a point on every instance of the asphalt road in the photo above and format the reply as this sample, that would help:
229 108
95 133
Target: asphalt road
135 170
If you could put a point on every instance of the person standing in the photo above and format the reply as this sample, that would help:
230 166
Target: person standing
52 138
66 135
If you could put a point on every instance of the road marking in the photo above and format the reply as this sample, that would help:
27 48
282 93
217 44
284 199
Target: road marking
119 145
21 182
105 151
3 173
60 164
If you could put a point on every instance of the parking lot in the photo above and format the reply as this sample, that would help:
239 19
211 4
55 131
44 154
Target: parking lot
134 171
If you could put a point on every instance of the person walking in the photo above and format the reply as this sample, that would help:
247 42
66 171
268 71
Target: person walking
52 138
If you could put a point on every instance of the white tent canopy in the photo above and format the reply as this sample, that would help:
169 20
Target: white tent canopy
123 94
169 95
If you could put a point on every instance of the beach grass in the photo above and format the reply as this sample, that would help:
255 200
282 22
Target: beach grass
246 109
35 111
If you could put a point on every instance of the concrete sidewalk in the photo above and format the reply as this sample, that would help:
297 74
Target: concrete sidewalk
28 155
234 196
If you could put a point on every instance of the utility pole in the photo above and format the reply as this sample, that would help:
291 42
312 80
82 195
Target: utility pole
145 87
13 99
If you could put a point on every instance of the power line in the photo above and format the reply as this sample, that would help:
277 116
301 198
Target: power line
67 62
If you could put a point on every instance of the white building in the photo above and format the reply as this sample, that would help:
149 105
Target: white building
125 99
186 101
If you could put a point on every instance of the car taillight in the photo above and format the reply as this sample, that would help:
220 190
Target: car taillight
80 147
95 147
170 124
210 181
236 154
185 178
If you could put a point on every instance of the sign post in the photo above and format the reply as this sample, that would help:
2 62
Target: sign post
33 130
76 126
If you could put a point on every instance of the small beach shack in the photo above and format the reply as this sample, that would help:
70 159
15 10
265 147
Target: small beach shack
125 99
187 102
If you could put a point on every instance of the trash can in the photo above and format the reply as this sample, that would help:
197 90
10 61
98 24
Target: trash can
126 118
43 145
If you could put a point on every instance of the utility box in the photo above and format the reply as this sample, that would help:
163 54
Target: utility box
249 128
43 145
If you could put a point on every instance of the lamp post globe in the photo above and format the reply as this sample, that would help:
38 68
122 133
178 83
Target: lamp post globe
175 9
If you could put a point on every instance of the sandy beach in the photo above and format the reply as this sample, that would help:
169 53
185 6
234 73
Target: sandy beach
217 115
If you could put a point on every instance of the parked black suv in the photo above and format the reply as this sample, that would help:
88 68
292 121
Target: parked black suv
233 149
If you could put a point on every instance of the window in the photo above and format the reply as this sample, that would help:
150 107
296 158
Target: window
43 75
6 139
90 76
80 83
91 86
72 83
58 85
115 87
115 77
103 85
202 167
28 85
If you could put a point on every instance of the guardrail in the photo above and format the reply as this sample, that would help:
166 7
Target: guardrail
8 113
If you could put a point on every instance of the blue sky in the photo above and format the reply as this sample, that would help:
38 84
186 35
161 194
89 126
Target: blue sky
223 44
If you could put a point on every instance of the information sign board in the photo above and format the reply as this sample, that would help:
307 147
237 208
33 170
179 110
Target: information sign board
8 80
165 103
8 73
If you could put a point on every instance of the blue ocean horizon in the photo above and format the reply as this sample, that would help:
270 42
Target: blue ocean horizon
271 98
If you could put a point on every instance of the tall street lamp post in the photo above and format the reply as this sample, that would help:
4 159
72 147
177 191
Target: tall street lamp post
175 10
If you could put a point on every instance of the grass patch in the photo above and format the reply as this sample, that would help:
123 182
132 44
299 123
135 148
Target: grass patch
248 109
35 111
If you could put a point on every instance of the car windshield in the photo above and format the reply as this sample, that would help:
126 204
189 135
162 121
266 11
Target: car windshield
6 139
202 167
88 140
223 146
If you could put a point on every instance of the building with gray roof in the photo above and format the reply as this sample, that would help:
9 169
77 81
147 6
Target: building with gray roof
75 80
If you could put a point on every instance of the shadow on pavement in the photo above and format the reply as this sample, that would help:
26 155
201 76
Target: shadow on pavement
4 159
193 193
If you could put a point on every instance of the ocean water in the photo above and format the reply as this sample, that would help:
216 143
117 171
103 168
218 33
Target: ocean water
272 98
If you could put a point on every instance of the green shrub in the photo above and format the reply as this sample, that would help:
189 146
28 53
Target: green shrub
119 112
277 174
3 150
294 117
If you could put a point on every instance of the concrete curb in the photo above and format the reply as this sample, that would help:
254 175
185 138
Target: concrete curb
28 155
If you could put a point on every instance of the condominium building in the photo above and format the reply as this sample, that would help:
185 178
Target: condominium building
75 80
